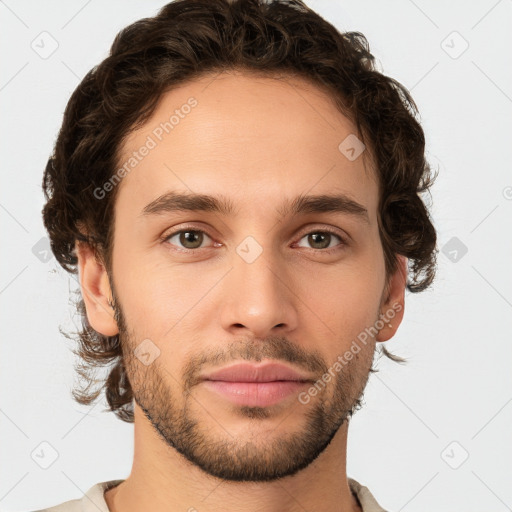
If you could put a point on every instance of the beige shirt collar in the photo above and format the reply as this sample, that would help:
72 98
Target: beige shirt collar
94 501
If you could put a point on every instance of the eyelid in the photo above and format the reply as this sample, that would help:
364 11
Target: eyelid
325 229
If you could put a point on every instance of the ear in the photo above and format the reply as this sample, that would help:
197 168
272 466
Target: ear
96 291
393 301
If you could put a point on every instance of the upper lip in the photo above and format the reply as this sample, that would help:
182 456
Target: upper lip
246 372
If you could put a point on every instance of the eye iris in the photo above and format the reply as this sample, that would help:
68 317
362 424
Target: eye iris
312 238
195 235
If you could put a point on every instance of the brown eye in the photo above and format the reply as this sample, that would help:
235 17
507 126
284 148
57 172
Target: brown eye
189 239
319 240
322 240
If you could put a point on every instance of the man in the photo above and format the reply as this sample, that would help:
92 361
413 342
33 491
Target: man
238 189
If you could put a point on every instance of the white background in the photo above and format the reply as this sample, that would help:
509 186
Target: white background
457 385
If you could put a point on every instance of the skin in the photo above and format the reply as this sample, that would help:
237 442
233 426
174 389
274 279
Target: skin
257 141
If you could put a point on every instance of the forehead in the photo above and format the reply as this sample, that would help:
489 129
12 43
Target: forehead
251 138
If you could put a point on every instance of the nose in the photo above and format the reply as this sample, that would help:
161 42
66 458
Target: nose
259 297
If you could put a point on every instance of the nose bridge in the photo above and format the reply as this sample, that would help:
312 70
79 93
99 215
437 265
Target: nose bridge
253 267
258 297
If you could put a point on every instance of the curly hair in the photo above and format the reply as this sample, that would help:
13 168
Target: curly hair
185 40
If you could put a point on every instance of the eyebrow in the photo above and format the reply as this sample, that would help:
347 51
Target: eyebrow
301 205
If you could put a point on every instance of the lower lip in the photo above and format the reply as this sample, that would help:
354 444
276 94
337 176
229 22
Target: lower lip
256 394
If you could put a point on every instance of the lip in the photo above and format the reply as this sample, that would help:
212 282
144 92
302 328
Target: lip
266 372
256 385
256 394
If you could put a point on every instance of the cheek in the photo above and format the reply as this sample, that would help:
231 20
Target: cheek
343 302
347 286
161 300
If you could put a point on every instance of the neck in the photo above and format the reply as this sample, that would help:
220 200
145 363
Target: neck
162 480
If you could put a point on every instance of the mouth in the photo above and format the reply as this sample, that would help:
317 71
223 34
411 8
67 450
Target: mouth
265 372
256 394
256 385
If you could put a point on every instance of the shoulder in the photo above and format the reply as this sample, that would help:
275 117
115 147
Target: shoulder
92 501
366 499
68 506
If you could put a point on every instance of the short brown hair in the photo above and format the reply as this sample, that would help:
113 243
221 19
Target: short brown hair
187 39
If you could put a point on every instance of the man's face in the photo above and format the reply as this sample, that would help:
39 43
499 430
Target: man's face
252 285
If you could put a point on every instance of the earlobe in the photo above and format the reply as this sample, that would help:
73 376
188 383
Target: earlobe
96 291
393 305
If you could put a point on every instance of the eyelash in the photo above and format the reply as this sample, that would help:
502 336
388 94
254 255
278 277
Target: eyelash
184 229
